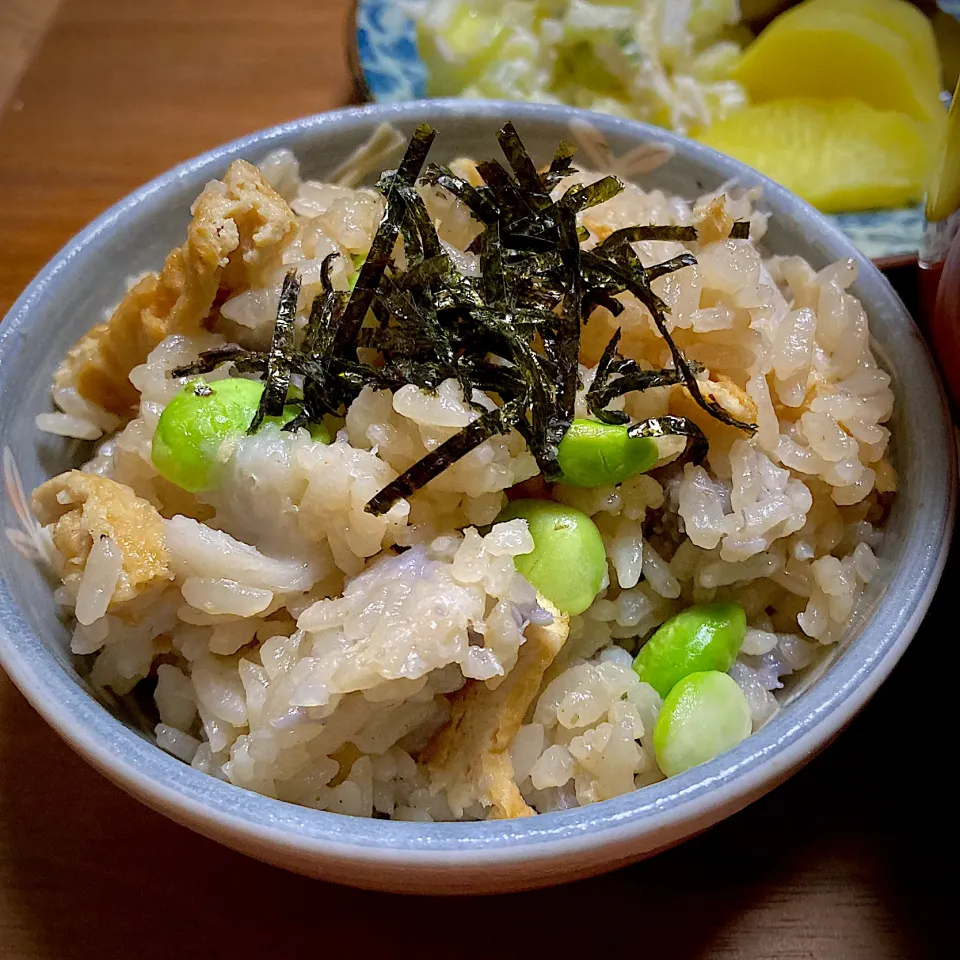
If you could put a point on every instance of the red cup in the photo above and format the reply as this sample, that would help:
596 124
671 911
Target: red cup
944 330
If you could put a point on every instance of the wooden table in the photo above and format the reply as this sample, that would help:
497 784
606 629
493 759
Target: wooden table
848 860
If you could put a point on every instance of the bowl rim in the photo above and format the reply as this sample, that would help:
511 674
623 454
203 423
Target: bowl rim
697 797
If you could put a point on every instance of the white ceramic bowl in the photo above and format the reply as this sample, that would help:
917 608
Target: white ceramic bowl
87 276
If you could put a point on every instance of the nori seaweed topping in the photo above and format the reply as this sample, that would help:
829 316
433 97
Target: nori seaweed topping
381 249
246 361
477 201
520 162
564 346
560 167
512 332
276 377
697 446
630 376
658 270
435 462
739 231
630 272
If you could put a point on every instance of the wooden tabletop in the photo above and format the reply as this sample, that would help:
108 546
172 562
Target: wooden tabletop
847 860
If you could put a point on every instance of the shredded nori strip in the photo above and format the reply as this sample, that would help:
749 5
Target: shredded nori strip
670 266
641 233
566 352
435 462
381 248
591 195
560 167
512 331
629 377
519 160
601 377
674 426
600 298
739 231
477 202
634 278
325 265
246 361
276 378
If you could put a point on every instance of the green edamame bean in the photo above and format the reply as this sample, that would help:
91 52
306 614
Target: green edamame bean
594 454
703 715
195 424
568 560
293 408
317 431
201 416
705 636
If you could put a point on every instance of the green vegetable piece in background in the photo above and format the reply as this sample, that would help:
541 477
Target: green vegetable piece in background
703 715
462 47
568 561
706 636
594 454
199 419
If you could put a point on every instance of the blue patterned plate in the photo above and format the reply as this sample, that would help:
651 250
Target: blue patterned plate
390 70
390 66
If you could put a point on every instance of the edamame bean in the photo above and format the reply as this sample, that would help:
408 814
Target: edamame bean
703 715
196 422
358 260
568 560
594 454
291 411
705 636
194 425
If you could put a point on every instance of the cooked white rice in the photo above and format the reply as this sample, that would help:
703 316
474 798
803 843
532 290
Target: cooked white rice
295 654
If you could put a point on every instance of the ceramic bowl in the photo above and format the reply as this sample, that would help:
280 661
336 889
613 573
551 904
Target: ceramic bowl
70 294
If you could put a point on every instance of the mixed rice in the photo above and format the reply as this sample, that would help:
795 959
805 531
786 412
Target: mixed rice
297 644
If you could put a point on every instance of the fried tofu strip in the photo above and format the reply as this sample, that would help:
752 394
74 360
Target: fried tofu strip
723 391
83 507
713 220
469 756
240 225
735 400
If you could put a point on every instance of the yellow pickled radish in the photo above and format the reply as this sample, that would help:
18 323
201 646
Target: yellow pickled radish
839 155
834 52
944 196
904 19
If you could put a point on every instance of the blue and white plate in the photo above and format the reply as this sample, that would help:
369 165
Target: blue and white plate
391 70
